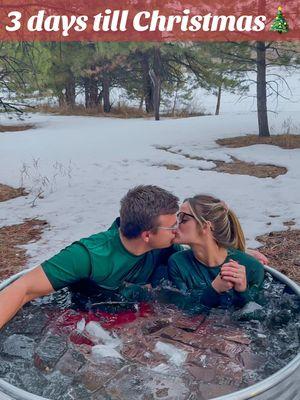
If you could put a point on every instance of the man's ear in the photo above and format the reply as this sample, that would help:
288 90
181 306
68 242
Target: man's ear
145 236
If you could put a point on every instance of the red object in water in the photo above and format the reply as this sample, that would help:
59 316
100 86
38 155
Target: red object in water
65 322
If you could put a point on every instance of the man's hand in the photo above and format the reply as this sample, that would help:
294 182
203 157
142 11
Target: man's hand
235 273
220 285
258 255
134 292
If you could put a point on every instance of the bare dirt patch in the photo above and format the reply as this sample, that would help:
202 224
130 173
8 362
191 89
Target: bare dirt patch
172 167
286 141
8 193
13 257
283 251
16 128
238 167
235 167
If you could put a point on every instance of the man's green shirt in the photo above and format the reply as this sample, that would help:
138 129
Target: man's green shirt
190 275
103 259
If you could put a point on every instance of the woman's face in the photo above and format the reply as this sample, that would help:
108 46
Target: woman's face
188 230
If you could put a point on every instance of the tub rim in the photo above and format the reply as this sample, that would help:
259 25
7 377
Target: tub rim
243 394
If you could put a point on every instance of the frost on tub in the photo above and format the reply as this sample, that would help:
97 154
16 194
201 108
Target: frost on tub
147 351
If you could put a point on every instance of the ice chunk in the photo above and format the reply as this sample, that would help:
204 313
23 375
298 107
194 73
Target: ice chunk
251 307
80 325
19 345
101 351
250 311
161 368
99 335
175 355
49 351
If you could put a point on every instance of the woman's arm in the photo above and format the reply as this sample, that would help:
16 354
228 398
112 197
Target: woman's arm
208 295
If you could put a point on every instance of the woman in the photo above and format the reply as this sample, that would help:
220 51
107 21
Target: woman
216 267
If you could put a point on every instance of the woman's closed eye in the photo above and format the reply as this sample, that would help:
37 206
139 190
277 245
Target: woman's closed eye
184 217
184 220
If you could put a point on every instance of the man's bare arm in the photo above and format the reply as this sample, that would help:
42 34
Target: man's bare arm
258 255
30 286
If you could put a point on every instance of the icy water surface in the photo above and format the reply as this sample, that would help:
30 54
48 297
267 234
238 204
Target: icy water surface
147 350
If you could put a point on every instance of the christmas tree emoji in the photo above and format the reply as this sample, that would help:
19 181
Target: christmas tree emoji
280 24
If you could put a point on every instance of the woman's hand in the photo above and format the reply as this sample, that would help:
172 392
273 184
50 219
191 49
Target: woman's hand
220 285
235 273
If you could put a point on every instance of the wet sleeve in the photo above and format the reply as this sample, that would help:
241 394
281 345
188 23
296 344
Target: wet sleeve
68 266
205 294
175 276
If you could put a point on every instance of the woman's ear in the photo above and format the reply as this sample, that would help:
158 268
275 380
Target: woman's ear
208 227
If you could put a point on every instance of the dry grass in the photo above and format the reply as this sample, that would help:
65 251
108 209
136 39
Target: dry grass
238 167
16 128
79 110
170 167
121 111
286 141
7 192
282 250
235 167
13 257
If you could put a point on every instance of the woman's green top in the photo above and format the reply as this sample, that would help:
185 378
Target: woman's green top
191 276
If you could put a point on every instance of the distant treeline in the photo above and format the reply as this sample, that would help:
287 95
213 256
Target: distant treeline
149 73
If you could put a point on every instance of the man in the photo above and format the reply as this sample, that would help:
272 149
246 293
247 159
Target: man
128 252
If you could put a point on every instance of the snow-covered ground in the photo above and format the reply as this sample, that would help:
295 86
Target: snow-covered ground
82 166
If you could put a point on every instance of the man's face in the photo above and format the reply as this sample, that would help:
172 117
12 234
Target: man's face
165 232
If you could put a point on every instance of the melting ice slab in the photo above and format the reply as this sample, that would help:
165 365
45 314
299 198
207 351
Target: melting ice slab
175 355
99 335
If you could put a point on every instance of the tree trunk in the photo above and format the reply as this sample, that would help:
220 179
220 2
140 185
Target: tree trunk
261 90
93 92
61 100
105 93
141 103
147 86
87 93
70 91
155 75
217 112
175 101
156 82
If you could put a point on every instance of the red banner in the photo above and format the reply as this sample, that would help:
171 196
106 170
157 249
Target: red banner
160 20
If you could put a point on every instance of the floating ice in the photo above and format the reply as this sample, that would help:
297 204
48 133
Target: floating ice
99 335
251 307
19 345
161 368
101 351
175 355
80 325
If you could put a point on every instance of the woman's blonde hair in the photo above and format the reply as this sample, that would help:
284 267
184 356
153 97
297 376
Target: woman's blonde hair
227 230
